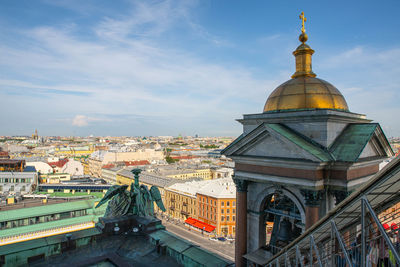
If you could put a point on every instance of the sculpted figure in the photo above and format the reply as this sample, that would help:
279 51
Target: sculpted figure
136 201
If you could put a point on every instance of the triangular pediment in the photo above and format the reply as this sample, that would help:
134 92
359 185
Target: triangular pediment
276 141
361 141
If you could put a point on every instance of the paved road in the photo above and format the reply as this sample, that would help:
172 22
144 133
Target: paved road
223 249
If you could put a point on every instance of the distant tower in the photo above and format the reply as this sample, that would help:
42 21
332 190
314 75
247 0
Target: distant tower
35 135
299 158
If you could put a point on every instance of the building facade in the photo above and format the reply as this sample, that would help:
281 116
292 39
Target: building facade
216 205
185 174
17 182
180 200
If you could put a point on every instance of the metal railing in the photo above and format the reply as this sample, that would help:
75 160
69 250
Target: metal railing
363 230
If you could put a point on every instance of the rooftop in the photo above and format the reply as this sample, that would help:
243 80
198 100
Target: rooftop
218 188
23 213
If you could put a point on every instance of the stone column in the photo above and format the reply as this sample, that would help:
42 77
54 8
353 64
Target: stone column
241 221
312 201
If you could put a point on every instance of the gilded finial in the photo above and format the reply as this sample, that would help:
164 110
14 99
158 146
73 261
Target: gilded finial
303 36
303 54
303 19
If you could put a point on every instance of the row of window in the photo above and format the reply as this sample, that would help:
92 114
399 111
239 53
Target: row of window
226 218
41 219
15 180
228 203
228 211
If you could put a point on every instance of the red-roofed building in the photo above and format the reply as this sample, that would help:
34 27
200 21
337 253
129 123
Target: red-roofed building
183 157
137 163
108 166
57 165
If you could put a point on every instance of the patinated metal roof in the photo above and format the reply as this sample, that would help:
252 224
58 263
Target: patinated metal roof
197 255
23 213
49 225
351 142
347 147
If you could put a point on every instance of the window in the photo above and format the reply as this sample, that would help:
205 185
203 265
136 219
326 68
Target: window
234 203
227 218
215 202
222 211
233 211
227 203
222 203
227 210
222 218
233 218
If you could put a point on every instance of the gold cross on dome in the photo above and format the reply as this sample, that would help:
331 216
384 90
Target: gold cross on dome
303 19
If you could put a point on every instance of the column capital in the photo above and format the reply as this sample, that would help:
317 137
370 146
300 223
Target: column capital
312 198
340 195
241 185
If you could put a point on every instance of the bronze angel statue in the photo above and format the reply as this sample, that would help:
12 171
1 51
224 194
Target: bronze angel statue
136 201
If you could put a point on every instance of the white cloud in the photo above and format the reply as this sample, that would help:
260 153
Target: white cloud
80 121
124 66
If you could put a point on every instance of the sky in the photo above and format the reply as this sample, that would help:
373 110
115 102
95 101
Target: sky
136 68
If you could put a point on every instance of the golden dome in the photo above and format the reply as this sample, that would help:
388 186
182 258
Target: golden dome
304 91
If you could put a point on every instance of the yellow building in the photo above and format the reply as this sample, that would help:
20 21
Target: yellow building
95 167
180 201
54 178
74 151
204 174
85 164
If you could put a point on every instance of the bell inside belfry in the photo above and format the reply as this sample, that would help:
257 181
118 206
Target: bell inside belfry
285 230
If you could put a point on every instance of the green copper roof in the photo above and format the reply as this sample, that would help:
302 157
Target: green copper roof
29 246
349 145
195 256
48 209
48 225
302 141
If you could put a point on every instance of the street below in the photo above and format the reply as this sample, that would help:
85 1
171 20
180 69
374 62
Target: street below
224 249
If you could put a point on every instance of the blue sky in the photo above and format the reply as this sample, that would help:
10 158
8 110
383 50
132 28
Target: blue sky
185 67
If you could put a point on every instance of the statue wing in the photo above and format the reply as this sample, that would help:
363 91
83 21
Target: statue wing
112 191
155 194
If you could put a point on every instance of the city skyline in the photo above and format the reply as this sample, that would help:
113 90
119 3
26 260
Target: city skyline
184 67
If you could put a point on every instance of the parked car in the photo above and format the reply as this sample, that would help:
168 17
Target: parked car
223 239
213 239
